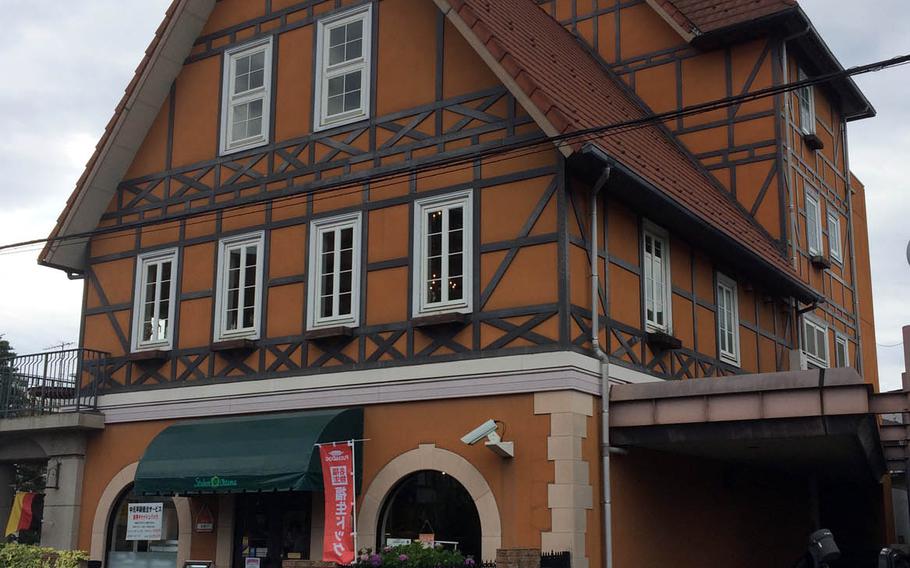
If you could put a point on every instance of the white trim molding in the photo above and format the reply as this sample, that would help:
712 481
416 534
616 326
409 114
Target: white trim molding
143 263
443 205
493 376
247 99
345 69
319 229
429 457
225 247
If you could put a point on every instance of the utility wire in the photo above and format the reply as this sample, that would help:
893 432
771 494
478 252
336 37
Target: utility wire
448 164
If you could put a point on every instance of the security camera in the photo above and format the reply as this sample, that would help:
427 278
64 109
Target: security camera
494 442
486 429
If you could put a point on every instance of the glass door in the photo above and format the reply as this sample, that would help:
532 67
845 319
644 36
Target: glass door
271 528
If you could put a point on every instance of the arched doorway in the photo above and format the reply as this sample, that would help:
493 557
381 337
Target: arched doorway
126 551
430 502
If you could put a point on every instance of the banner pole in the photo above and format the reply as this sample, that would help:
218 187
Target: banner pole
354 496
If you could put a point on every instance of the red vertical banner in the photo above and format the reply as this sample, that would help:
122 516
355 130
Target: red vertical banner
338 484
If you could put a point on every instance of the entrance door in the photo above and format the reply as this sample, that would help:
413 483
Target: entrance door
271 527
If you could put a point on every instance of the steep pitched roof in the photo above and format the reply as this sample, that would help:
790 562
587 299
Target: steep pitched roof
704 16
566 90
126 130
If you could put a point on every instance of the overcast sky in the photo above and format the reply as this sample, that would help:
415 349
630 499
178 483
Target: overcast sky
67 64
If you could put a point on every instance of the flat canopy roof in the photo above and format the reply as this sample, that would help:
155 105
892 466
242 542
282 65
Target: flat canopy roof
816 421
275 452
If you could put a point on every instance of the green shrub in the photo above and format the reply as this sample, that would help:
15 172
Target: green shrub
14 555
413 555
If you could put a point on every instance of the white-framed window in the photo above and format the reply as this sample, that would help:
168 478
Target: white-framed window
238 298
656 260
813 223
334 281
834 238
443 253
727 319
154 300
841 351
246 98
806 97
815 341
343 61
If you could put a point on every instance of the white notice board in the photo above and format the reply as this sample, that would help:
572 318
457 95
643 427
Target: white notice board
144 521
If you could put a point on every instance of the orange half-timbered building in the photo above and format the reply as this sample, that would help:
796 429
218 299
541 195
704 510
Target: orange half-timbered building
389 220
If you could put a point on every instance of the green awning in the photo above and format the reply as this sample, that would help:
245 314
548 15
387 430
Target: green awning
273 452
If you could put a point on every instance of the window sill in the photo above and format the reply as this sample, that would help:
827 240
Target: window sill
341 122
148 355
448 318
244 146
662 341
819 261
233 345
329 333
813 142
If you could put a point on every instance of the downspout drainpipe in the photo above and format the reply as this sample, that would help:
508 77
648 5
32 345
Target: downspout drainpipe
858 361
604 370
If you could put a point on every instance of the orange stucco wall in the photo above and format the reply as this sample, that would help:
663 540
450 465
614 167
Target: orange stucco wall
519 485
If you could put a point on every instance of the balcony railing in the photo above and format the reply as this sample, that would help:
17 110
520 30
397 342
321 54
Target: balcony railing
47 383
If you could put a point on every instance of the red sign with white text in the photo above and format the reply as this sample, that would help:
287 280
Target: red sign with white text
338 483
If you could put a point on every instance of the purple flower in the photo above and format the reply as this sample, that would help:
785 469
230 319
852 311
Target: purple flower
387 549
402 557
364 557
469 561
375 560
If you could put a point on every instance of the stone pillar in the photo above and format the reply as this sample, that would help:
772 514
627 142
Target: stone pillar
571 496
224 544
60 525
7 477
518 558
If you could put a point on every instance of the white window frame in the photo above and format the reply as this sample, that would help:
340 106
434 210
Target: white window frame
841 340
813 228
659 234
143 261
228 99
819 328
318 228
807 94
324 72
224 246
420 307
835 244
725 282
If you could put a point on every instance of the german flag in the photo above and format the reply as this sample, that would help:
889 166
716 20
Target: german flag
20 517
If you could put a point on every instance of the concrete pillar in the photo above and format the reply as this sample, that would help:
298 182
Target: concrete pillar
7 477
224 545
60 526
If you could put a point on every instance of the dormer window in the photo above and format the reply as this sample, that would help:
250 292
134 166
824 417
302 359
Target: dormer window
343 68
246 101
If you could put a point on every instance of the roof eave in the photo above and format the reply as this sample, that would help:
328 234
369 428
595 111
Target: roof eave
794 23
741 257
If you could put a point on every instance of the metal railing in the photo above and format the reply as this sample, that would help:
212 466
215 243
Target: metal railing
52 382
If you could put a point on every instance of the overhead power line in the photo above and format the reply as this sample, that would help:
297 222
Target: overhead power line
447 164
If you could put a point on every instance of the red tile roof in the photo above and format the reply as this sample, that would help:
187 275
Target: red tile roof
574 92
703 16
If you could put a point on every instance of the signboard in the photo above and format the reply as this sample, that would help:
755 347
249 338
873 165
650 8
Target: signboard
205 522
144 521
252 562
338 483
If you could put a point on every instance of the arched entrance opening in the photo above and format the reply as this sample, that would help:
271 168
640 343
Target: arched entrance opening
429 502
127 550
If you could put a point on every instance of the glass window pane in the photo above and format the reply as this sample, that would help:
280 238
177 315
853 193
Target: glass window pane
328 263
336 54
456 290
328 284
326 308
435 268
337 36
355 30
231 320
352 101
353 50
336 86
347 259
347 238
344 304
336 105
456 265
346 281
257 61
248 317
254 127
435 222
242 65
